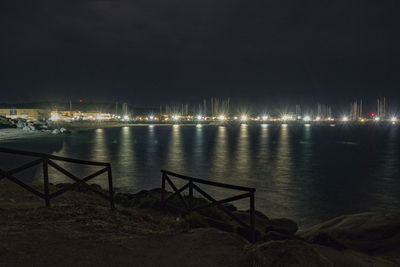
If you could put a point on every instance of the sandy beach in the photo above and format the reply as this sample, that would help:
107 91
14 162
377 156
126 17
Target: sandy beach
14 133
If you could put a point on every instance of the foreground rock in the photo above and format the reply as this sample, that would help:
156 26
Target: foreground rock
300 253
370 232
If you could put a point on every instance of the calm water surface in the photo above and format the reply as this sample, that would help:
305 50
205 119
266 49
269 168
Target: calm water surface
306 173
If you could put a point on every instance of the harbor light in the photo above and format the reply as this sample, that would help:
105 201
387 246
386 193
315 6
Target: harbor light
345 118
199 117
244 118
286 117
54 117
126 118
393 119
175 117
221 117
151 118
376 118
317 118
235 118
264 118
307 118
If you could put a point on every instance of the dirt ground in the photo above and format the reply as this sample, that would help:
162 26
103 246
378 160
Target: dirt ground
79 229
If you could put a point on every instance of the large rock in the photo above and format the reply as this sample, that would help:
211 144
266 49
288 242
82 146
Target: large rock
300 253
284 227
370 232
20 123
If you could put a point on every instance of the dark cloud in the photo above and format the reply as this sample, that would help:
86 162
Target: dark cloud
151 51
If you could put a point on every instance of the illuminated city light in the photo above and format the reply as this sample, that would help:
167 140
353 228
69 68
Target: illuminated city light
151 118
317 118
345 118
307 118
199 117
221 117
377 119
286 117
175 117
235 118
54 117
264 118
244 118
393 119
126 118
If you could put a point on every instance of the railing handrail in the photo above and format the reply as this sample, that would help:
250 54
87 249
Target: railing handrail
202 181
47 160
191 186
48 156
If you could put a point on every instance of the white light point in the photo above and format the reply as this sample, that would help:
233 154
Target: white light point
54 117
221 117
307 118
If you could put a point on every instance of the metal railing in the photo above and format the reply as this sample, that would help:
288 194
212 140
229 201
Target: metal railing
192 185
49 160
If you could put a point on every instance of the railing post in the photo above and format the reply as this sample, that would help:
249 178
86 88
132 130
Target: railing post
190 195
163 187
252 218
46 182
110 187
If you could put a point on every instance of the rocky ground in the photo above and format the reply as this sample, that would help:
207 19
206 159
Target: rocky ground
16 128
79 229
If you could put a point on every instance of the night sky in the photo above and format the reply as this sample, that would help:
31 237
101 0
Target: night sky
149 52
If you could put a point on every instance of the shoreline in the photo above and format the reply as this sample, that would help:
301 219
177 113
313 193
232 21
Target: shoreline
18 133
15 133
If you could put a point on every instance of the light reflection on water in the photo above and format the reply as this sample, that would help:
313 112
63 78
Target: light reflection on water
307 173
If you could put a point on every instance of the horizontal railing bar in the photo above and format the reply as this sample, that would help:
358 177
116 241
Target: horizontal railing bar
226 200
53 157
25 166
18 182
201 181
201 191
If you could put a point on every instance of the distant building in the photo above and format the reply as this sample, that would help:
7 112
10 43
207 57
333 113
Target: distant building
25 113
68 115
